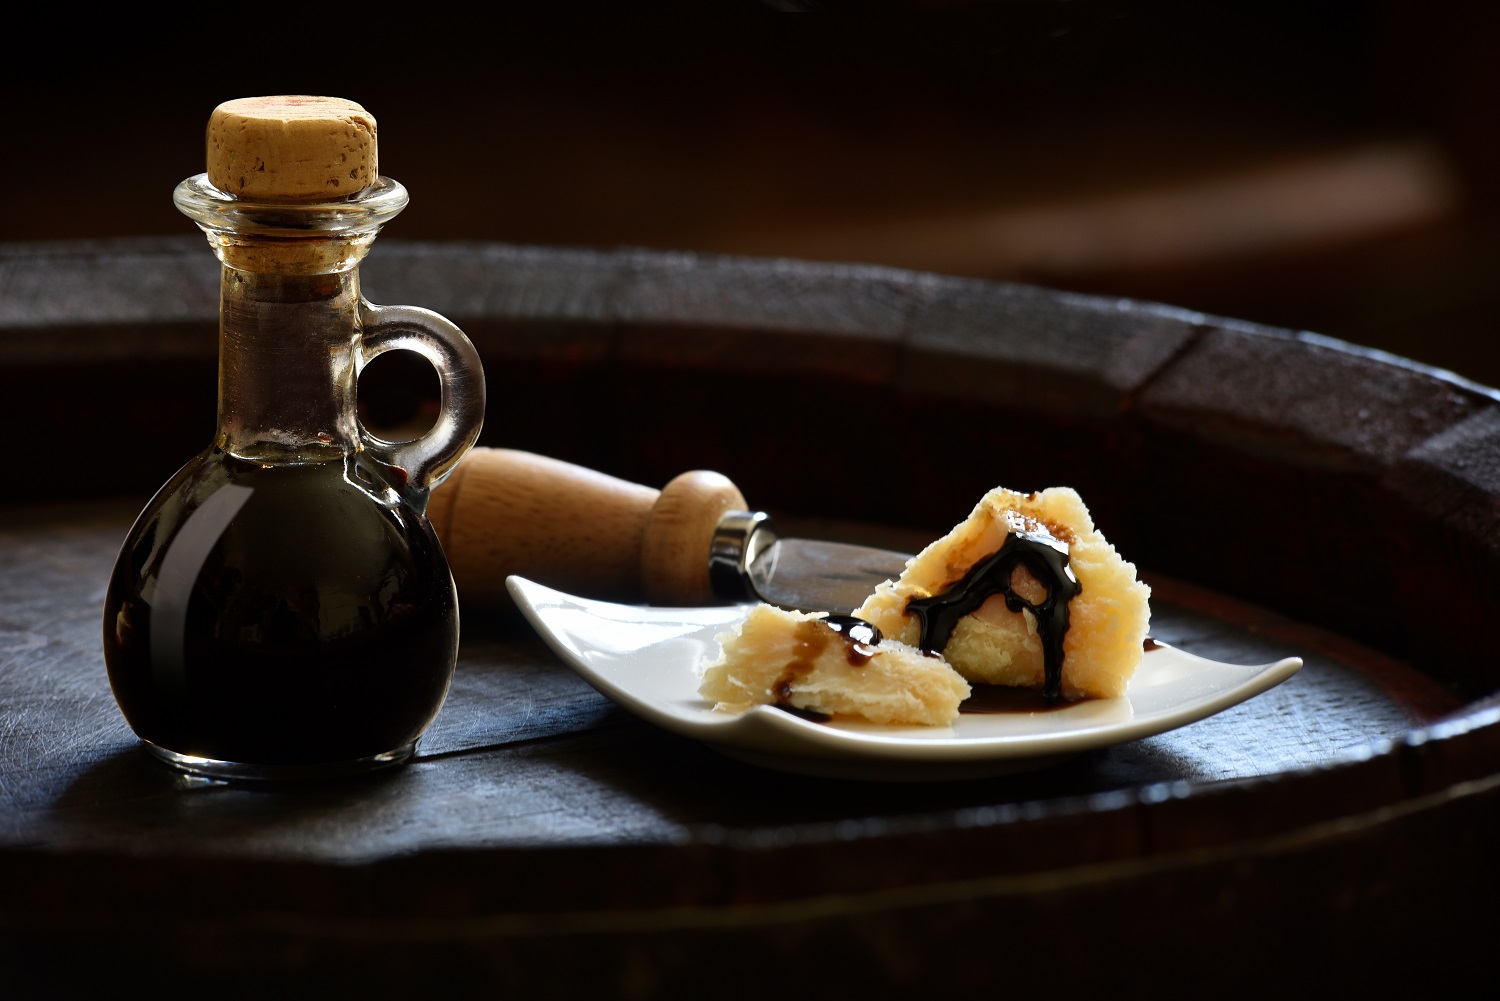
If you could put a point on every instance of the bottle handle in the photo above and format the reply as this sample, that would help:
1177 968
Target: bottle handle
426 460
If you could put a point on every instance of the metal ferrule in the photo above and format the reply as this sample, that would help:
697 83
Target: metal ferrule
739 539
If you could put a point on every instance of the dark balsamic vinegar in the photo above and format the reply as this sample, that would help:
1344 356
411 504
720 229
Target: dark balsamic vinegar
280 614
1046 558
860 639
997 700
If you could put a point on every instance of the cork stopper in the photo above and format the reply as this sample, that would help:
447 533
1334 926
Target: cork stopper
291 148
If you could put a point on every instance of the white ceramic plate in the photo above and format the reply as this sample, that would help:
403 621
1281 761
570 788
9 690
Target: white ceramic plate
649 659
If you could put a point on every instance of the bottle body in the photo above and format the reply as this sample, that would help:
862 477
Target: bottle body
281 618
282 608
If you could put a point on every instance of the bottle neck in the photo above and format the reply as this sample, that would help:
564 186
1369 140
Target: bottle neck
287 351
289 316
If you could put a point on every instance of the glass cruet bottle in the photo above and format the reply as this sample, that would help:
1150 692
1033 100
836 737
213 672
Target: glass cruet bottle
282 608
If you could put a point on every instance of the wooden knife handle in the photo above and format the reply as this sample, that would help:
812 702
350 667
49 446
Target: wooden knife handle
507 512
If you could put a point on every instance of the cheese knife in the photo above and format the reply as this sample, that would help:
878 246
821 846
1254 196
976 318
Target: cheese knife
693 542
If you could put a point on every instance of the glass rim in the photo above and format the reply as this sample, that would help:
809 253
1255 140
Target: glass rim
219 211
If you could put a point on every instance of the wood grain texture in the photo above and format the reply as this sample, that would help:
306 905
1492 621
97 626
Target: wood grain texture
1282 494
505 511
679 532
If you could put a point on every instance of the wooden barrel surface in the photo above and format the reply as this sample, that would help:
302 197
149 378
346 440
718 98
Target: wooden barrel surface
1283 493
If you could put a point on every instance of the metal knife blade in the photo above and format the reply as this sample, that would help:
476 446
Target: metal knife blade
748 560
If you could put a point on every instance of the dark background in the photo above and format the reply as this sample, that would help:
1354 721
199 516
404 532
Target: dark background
1330 167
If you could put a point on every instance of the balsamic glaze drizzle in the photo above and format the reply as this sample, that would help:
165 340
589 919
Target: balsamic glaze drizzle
863 637
861 642
1033 547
